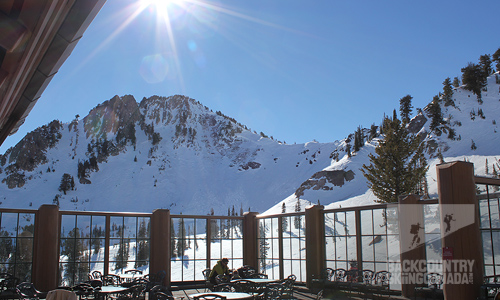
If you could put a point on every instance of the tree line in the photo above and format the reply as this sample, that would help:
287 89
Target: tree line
399 165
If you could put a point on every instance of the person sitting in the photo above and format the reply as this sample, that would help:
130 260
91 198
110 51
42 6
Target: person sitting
220 268
236 275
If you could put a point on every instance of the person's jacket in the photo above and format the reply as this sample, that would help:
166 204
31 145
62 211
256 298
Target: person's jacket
218 269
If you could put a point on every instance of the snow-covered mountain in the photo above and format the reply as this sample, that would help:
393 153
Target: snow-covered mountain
470 132
160 153
175 153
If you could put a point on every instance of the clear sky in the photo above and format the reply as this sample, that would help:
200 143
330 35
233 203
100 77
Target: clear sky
296 70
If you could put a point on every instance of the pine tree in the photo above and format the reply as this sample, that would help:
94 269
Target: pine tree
399 166
284 219
7 247
122 255
96 242
405 108
263 246
181 243
142 245
473 79
436 115
485 63
496 58
233 221
348 150
74 249
373 132
358 139
456 82
214 228
448 92
495 175
440 156
67 183
173 243
486 167
228 224
296 222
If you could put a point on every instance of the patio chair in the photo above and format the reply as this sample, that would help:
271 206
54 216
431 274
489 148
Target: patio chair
8 286
338 275
133 271
111 279
222 279
83 290
209 297
160 292
382 278
380 284
95 275
162 296
274 291
432 288
208 284
224 287
139 280
247 271
490 287
338 280
244 286
367 276
137 291
27 291
288 284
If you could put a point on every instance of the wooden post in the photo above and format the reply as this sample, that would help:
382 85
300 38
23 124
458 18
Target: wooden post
315 242
160 244
250 239
411 244
46 246
460 234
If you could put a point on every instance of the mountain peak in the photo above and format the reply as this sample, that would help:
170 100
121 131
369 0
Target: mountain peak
111 115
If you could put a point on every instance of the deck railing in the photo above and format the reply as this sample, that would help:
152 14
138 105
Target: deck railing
64 246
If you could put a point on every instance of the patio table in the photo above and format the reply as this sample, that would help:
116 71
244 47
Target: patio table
256 280
228 295
107 290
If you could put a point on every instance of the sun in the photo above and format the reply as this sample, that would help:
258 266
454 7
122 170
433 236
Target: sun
160 6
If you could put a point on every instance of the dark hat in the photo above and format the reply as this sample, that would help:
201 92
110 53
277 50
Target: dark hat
225 260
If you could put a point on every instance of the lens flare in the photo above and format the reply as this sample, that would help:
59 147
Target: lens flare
154 68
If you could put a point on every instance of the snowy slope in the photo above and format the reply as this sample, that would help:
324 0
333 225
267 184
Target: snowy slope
470 128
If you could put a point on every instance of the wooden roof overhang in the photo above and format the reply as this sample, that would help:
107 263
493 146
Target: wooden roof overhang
36 37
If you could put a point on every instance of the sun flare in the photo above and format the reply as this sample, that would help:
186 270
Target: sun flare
160 6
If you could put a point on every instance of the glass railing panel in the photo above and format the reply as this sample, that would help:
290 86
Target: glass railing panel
379 222
366 222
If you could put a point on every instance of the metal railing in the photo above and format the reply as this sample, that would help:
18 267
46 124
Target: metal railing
367 236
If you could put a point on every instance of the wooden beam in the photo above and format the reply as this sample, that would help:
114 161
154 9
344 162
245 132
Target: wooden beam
457 193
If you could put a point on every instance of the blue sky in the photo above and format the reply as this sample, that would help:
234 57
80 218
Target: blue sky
295 70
